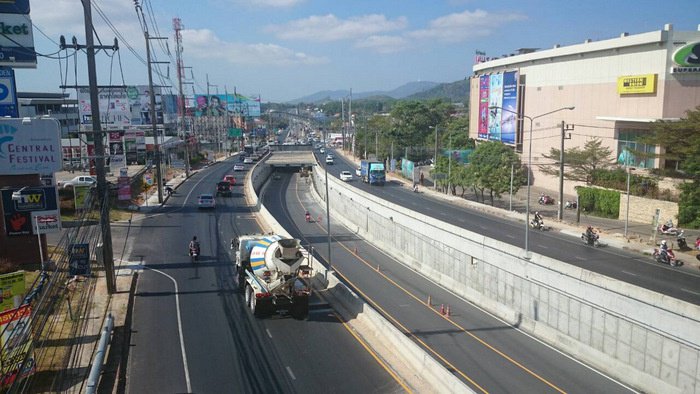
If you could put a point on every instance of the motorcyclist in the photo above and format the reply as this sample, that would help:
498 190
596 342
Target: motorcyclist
538 219
194 246
667 226
415 187
307 216
590 235
664 251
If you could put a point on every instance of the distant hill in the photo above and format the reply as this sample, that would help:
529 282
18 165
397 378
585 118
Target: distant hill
457 91
401 92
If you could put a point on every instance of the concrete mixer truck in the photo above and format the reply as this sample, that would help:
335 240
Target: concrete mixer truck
273 274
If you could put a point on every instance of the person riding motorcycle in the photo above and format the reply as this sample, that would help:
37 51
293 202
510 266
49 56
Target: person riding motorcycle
538 219
307 216
667 226
194 246
590 235
664 251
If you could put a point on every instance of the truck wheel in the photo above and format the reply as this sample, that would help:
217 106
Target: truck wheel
300 308
241 279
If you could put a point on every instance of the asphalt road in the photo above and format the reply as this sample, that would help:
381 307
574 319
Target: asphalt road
486 353
619 264
191 331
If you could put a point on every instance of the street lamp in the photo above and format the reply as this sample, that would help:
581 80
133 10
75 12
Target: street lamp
627 213
529 167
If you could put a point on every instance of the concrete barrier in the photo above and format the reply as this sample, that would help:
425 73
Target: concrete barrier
425 373
643 338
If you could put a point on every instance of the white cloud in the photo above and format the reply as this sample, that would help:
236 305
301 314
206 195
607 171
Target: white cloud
326 28
205 44
463 26
65 17
383 44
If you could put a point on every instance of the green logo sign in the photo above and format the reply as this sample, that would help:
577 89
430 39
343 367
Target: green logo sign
688 55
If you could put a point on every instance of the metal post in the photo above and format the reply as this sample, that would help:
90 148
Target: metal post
560 211
99 151
627 213
449 168
510 200
527 202
435 158
38 237
328 210
154 121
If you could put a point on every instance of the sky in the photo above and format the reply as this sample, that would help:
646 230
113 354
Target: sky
285 49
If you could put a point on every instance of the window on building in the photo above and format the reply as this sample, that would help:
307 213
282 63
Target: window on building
632 153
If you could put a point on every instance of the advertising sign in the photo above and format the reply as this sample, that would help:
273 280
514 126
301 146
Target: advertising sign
16 361
687 58
113 105
495 100
116 163
14 7
35 198
44 222
509 103
124 191
12 289
140 104
222 105
484 106
18 223
79 260
81 195
8 93
633 84
17 41
29 147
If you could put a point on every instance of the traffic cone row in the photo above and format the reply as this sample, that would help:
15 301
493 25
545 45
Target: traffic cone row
445 311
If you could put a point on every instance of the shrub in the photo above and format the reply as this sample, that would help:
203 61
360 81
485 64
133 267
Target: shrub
599 202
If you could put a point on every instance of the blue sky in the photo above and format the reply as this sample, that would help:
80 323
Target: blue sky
285 49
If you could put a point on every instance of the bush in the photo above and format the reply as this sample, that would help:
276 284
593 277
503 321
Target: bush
599 202
641 186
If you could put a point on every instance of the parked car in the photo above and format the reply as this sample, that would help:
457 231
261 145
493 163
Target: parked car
345 176
238 167
206 201
223 188
230 179
80 180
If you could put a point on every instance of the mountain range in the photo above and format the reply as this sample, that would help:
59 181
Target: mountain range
420 90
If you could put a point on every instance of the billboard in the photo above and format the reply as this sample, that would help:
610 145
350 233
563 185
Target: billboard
16 360
130 106
8 93
30 147
634 84
226 105
44 222
12 289
484 106
17 41
498 107
79 259
510 106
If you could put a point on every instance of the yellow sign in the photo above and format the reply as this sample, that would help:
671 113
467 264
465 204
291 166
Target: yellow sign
633 84
12 290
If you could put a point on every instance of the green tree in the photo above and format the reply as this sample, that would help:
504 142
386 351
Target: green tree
681 142
580 164
490 167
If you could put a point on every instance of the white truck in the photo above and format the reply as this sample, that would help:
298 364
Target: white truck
271 274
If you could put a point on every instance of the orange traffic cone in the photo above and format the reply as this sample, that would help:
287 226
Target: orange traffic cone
442 309
430 303
447 313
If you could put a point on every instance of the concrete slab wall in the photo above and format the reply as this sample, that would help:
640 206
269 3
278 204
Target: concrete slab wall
648 340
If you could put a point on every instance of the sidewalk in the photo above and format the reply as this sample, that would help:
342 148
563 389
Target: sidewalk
640 235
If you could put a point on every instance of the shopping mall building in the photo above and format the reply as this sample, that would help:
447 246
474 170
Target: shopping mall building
617 87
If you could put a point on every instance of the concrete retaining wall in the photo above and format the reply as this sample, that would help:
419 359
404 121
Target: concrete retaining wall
642 210
645 339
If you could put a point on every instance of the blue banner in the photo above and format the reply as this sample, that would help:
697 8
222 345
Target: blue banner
510 107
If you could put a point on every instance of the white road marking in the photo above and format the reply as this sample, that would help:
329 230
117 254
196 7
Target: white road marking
179 328
404 306
629 273
579 258
269 334
543 247
510 236
289 371
690 291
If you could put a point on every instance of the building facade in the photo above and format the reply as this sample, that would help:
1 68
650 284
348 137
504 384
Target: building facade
617 88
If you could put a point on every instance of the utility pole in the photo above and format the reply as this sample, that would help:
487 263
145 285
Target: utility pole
342 119
177 26
435 159
107 254
564 129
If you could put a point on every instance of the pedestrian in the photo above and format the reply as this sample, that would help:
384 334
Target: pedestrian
421 178
697 243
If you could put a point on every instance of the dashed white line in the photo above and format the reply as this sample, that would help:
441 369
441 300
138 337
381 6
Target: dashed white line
510 236
268 333
629 273
543 247
580 258
289 371
690 291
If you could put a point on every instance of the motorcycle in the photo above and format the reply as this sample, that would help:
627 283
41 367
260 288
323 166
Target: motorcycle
571 205
194 254
545 199
668 229
666 258
308 218
538 225
593 240
680 239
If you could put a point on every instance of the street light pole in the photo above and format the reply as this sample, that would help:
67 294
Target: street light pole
627 213
435 157
529 168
